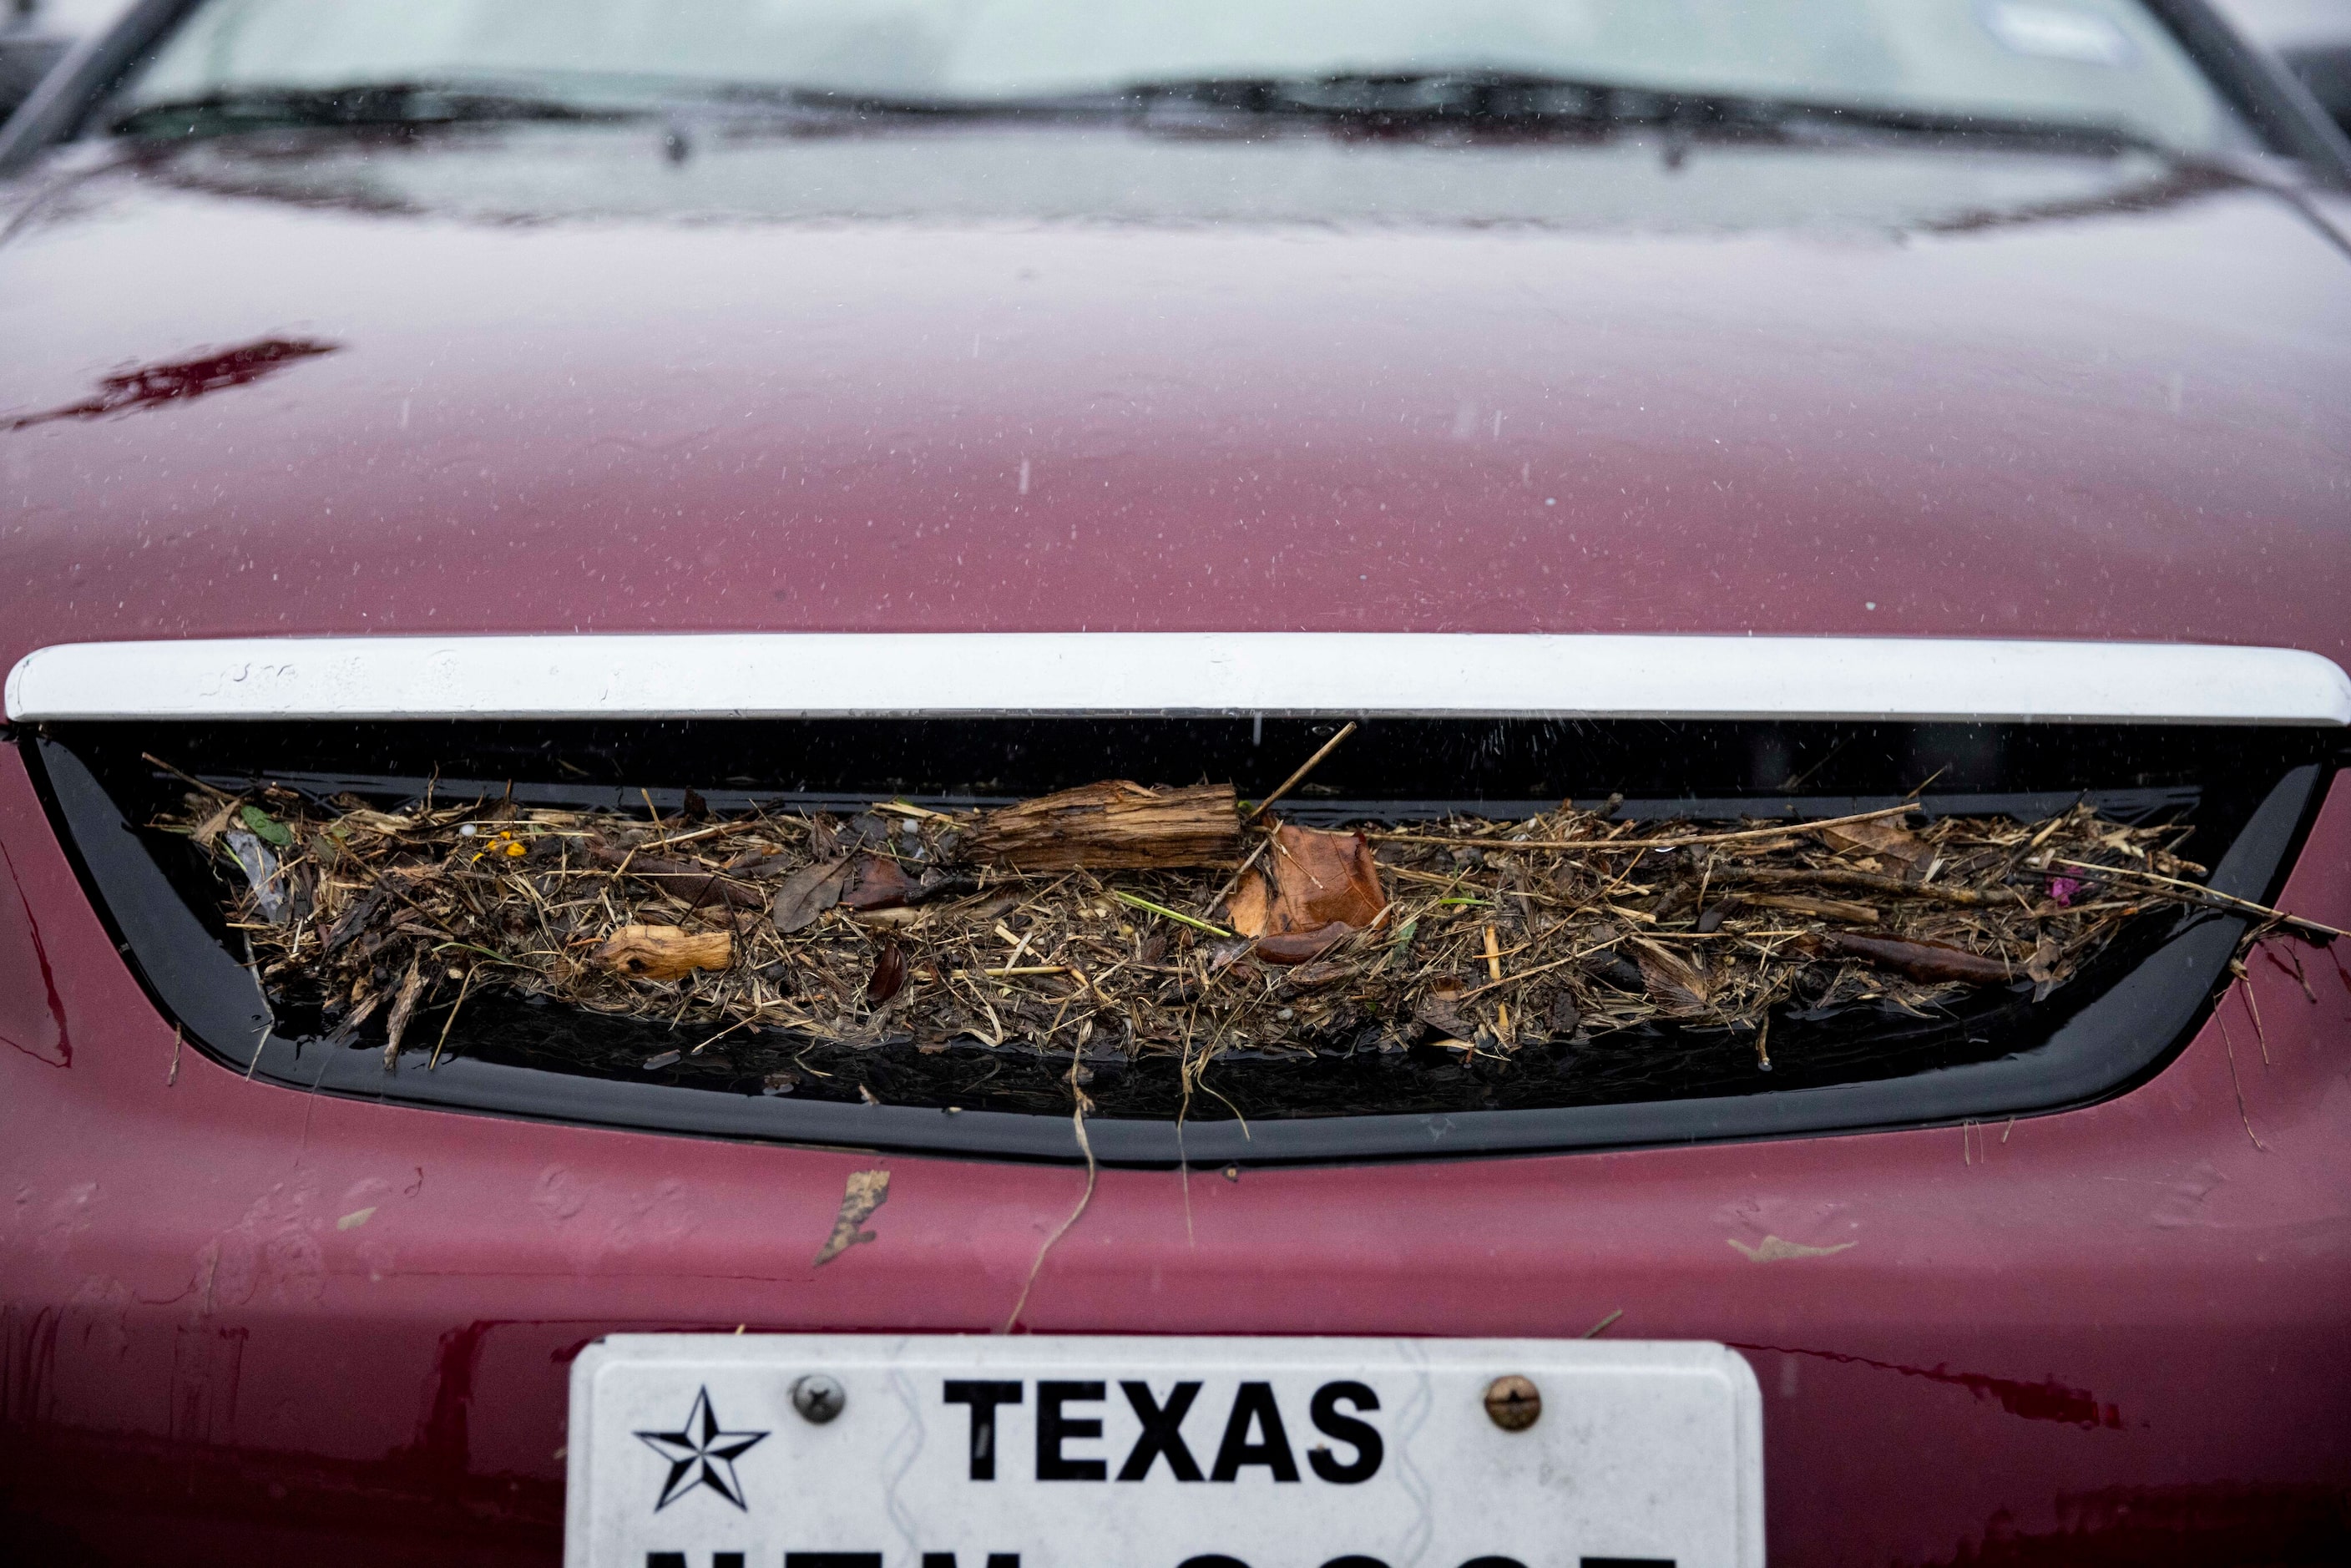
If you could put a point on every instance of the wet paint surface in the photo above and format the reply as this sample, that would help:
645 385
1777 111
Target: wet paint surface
2124 426
2104 425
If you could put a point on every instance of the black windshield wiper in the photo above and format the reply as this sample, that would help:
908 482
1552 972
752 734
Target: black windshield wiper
358 105
1406 100
1409 102
1395 103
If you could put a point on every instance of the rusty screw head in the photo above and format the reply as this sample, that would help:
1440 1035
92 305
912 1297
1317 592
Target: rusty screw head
1513 1403
818 1397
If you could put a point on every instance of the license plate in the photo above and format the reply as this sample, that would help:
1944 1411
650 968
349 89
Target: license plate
1069 1451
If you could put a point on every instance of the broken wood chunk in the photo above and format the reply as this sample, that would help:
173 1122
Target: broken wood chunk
1114 825
1929 961
664 952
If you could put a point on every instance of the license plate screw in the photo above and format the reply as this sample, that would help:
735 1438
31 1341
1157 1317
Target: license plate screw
820 1398
1513 1403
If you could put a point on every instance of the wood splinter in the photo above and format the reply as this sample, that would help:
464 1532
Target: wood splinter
664 952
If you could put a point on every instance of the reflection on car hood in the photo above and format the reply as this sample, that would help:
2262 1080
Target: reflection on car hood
2062 397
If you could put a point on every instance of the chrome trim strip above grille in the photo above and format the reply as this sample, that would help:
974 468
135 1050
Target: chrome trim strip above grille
840 675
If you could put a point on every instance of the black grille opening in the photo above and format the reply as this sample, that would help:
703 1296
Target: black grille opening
1993 1052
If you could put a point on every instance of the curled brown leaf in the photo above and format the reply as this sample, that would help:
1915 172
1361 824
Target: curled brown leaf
889 976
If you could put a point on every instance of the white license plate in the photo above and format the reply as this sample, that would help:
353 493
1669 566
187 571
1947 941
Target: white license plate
1069 1451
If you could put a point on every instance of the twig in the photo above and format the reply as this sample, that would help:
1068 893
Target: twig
434 1060
1530 974
1595 1330
1861 881
1686 841
712 831
1304 769
2253 1010
185 777
2300 979
2199 889
179 1034
2231 1047
906 809
1077 1121
1179 918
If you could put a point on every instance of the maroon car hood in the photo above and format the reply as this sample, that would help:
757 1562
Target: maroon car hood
223 416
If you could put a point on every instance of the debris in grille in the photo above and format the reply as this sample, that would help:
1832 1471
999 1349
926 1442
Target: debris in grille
1117 924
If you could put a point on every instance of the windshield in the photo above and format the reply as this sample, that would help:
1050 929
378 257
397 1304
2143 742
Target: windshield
2095 64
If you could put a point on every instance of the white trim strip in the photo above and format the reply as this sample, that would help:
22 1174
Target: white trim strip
828 675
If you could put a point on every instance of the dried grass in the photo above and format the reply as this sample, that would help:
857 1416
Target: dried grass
1495 934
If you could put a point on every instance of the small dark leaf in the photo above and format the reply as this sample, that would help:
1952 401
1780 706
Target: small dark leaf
1563 1018
806 894
875 882
889 976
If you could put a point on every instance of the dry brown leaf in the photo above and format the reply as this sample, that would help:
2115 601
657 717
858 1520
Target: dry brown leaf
875 882
664 952
889 976
1250 909
1439 1010
1301 946
1681 986
866 1191
807 893
1306 880
214 826
1883 837
2042 968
